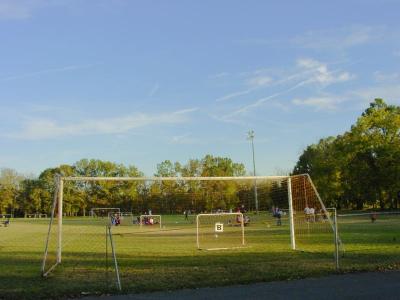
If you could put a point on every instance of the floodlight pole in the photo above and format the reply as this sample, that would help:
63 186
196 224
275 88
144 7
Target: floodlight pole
60 217
250 136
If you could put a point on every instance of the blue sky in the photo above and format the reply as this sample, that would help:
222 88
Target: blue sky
138 82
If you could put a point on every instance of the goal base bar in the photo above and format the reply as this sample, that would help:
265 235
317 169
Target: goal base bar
50 270
223 248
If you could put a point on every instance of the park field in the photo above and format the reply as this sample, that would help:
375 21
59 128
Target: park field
153 258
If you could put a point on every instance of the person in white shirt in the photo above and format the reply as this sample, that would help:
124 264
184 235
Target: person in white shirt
307 213
312 214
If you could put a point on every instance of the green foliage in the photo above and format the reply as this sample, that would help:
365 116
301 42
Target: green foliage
360 168
21 195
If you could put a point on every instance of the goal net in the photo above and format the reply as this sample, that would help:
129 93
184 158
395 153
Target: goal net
187 213
36 216
103 212
220 231
5 216
314 226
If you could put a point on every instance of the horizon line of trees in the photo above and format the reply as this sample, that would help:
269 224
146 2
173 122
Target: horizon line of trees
20 195
355 170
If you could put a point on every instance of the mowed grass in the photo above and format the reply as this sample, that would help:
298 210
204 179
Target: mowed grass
152 259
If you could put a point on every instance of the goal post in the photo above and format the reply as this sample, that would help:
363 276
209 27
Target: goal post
212 199
220 231
312 223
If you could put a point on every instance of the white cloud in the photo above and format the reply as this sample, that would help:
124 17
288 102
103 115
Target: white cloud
389 92
184 139
308 72
37 129
14 10
259 81
219 75
341 38
321 74
253 105
326 39
47 71
233 95
386 77
319 103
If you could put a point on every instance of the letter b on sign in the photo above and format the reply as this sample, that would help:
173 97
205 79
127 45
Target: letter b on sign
219 227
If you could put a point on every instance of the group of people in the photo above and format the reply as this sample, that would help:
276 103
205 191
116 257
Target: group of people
115 219
311 215
246 219
147 220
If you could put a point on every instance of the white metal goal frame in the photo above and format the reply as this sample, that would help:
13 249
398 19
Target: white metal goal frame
107 209
143 217
36 216
241 221
6 216
59 193
126 214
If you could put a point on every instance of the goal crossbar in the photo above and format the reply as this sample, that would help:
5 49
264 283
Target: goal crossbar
78 178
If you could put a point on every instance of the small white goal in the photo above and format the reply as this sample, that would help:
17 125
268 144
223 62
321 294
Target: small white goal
220 231
36 216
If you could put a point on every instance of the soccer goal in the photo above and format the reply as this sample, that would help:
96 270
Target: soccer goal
36 216
150 220
6 216
220 231
103 212
127 218
311 225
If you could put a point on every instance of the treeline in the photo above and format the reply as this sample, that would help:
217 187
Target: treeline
361 168
356 170
20 195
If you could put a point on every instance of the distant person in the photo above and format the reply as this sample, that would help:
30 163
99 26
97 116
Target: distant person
307 213
279 218
150 212
112 217
239 217
117 220
323 215
373 217
312 214
246 220
186 215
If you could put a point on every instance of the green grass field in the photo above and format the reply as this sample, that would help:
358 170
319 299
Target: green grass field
152 259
